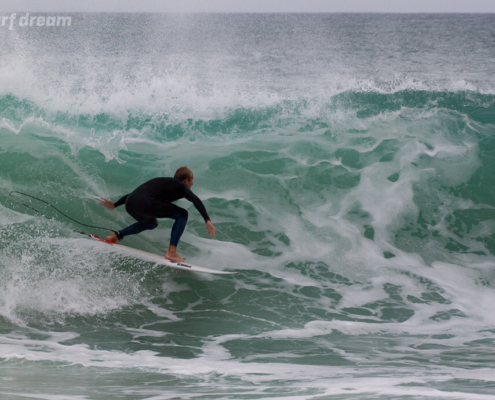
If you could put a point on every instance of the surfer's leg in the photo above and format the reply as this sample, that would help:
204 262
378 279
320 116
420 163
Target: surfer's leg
137 228
178 227
180 217
131 230
149 211
141 209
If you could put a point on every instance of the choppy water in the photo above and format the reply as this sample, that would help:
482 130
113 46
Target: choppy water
346 161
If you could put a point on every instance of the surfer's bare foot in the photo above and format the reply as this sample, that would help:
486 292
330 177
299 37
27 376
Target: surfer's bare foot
172 254
112 238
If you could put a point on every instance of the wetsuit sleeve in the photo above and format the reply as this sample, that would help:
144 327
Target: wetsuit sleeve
189 195
120 201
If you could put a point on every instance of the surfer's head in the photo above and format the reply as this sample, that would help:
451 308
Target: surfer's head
185 175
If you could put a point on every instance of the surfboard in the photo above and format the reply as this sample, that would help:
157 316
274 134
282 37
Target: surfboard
155 258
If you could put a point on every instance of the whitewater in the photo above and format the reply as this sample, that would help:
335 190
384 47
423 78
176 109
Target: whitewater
346 160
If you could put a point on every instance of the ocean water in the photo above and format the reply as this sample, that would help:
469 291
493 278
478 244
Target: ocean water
347 162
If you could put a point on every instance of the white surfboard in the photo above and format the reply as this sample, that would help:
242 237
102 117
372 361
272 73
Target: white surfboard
155 258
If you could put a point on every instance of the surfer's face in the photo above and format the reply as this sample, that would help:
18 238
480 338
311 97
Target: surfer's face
188 182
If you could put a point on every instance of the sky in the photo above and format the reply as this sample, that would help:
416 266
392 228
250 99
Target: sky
249 6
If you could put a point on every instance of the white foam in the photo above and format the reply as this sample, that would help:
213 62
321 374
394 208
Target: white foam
325 380
54 280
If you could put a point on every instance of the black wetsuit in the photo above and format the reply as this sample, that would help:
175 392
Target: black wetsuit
153 200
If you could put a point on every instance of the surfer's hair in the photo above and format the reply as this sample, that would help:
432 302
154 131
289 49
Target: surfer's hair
183 173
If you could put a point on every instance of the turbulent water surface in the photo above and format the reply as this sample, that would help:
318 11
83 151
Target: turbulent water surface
347 162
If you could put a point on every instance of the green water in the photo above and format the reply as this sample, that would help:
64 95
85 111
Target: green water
351 188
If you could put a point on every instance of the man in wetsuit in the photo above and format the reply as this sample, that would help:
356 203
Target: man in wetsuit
153 200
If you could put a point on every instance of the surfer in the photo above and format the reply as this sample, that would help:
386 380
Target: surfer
152 200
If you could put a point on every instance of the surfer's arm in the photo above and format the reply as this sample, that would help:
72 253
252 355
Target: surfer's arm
210 229
111 204
189 195
120 201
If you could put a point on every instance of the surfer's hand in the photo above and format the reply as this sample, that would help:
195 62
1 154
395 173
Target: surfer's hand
210 229
107 203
